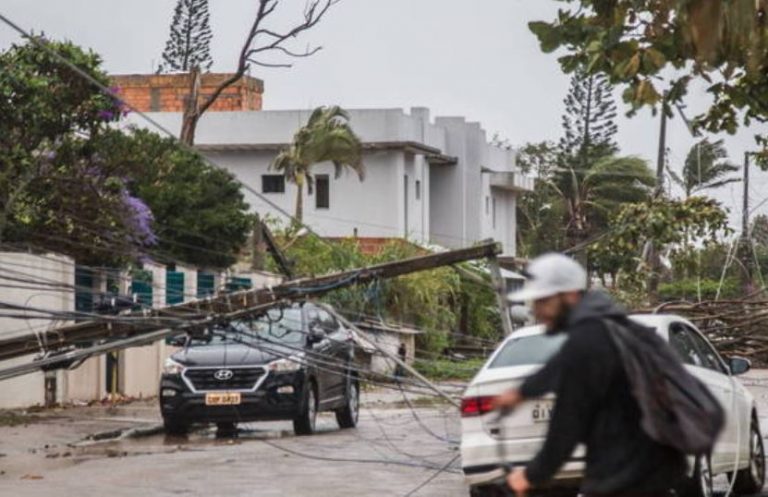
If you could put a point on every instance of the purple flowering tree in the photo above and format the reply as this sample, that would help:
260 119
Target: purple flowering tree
138 221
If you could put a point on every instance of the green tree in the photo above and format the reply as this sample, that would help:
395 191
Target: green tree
540 213
55 191
570 177
81 206
588 122
658 47
70 182
327 137
759 230
706 167
189 44
674 226
590 196
538 159
199 213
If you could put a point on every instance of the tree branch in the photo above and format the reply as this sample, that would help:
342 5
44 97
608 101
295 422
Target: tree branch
314 12
271 65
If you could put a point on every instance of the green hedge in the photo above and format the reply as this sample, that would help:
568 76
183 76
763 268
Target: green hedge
687 289
444 369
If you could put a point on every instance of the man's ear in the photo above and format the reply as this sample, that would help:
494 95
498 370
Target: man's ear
572 298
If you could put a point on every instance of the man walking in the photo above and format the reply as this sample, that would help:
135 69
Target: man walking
594 405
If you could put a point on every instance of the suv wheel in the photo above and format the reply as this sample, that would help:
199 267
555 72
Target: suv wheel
347 416
304 423
751 479
174 427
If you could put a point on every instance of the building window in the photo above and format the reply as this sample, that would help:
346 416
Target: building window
405 204
418 189
322 191
487 205
493 212
272 183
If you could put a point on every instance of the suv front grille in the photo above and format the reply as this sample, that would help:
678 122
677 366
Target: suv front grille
242 378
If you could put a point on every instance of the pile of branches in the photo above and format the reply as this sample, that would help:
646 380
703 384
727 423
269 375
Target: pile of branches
735 327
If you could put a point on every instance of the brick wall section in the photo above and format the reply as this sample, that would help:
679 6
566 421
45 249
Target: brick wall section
372 246
168 92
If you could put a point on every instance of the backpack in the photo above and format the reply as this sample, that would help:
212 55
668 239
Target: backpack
677 409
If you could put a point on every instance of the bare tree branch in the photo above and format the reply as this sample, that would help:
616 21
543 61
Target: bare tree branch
308 53
272 65
261 39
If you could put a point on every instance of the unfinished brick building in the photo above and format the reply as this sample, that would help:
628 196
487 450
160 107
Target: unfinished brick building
168 92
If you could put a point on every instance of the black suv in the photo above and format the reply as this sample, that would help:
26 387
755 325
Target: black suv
290 363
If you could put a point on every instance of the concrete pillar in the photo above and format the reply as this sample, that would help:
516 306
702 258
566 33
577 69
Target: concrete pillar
190 281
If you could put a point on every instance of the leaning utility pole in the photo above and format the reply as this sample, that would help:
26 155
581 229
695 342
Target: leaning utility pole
652 256
746 240
501 296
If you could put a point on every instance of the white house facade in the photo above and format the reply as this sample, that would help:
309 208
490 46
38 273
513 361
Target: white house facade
429 181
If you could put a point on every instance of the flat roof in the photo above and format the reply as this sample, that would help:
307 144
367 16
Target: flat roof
433 154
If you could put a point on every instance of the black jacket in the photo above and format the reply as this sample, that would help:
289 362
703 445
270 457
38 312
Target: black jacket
594 406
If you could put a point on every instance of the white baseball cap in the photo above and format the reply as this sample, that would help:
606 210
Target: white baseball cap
548 275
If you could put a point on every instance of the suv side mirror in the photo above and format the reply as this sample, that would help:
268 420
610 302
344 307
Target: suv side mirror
176 341
316 333
739 365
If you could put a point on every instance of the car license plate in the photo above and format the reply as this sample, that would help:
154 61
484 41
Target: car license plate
542 412
222 399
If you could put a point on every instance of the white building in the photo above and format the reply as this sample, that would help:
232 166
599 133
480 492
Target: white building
429 181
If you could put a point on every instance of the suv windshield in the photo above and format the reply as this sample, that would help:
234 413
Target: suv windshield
530 350
277 326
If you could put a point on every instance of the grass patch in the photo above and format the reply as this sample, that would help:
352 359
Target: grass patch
425 402
14 418
444 369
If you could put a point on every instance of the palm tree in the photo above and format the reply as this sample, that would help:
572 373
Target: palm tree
591 195
327 136
706 167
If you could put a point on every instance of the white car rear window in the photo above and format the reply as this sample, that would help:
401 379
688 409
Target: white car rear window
530 350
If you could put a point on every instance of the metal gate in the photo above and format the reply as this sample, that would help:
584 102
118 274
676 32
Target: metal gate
174 287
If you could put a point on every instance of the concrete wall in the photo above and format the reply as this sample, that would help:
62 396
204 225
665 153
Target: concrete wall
41 271
140 367
368 208
278 126
85 383
391 343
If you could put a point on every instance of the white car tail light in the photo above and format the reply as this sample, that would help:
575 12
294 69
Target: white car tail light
476 406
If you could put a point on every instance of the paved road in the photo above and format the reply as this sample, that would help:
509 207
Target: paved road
389 454
392 452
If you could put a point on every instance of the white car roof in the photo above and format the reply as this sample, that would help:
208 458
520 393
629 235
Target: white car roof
658 321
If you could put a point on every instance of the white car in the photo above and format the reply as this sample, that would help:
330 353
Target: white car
487 442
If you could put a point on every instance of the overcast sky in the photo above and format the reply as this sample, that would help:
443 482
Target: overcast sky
480 62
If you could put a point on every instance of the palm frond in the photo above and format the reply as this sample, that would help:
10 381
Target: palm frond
705 166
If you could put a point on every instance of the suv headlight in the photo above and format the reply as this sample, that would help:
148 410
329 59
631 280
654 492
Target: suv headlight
172 367
286 365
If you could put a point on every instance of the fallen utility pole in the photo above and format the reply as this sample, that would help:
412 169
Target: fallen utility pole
241 303
73 358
